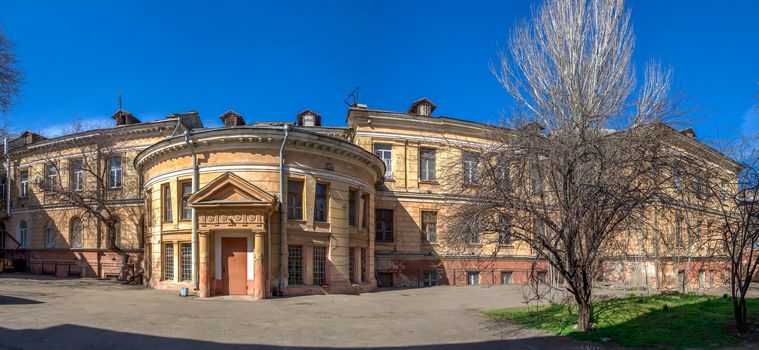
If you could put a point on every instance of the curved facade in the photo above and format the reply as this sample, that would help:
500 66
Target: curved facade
239 226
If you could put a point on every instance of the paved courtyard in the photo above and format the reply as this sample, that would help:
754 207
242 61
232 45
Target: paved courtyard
41 313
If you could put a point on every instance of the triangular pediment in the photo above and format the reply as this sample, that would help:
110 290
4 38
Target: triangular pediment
231 190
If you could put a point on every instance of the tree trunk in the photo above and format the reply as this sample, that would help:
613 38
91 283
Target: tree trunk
584 315
114 247
739 311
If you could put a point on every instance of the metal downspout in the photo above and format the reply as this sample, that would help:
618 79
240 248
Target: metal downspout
282 214
194 246
7 178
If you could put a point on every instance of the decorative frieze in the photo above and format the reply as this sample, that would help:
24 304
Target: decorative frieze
213 219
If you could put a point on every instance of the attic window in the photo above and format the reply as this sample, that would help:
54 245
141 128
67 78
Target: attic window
423 107
232 118
309 120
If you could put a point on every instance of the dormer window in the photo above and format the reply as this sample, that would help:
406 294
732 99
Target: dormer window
422 107
123 117
309 118
231 118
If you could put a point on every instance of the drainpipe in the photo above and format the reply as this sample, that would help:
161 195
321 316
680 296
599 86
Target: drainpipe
7 178
194 216
282 213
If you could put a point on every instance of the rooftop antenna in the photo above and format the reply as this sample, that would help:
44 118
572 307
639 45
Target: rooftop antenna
352 99
120 101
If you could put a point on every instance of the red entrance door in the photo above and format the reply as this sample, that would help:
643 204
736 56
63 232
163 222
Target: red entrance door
234 265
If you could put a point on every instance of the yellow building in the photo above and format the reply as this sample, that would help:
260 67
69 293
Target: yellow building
208 209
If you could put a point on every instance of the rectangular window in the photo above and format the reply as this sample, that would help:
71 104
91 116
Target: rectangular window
503 175
677 179
166 190
186 251
114 172
474 236
168 262
365 216
539 228
427 164
430 279
77 175
51 174
504 231
473 278
49 237
469 164
429 226
537 180
295 199
364 268
506 277
320 259
352 264
352 207
24 184
383 225
385 152
295 264
678 232
186 193
320 203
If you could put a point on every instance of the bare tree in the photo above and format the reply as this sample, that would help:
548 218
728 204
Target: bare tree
85 171
582 156
10 75
739 226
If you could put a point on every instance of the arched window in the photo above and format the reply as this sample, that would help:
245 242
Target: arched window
22 238
49 235
76 233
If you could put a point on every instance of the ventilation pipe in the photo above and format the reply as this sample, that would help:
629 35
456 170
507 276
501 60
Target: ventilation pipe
282 213
194 246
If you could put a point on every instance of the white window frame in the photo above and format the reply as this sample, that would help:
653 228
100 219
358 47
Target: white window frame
469 163
470 278
24 175
427 165
51 177
77 174
22 237
76 240
114 174
49 237
385 152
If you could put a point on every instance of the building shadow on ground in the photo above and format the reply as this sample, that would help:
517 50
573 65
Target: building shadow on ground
69 336
10 300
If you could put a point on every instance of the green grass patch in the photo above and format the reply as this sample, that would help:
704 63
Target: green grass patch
658 321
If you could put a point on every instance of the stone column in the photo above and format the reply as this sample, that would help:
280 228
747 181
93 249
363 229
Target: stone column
204 270
259 289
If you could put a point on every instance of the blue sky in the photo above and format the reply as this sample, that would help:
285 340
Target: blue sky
270 60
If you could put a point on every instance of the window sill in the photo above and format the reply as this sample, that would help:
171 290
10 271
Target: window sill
429 182
321 224
383 242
